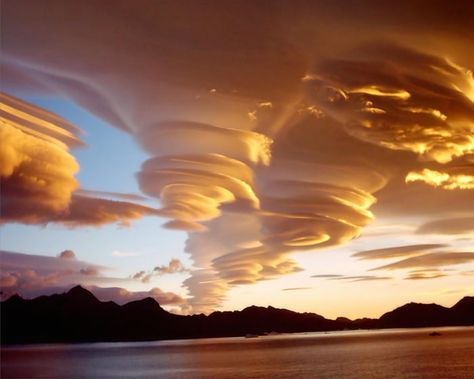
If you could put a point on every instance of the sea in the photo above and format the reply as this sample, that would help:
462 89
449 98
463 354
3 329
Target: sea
374 354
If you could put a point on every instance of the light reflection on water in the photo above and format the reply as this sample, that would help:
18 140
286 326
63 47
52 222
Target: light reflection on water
396 353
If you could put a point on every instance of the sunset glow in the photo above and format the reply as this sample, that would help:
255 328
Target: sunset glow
307 156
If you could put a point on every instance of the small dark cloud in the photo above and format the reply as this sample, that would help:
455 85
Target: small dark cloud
361 278
139 275
357 278
67 254
296 288
326 276
422 275
89 271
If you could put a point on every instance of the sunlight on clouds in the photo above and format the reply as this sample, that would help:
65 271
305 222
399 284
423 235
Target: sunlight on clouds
37 169
441 179
277 139
401 99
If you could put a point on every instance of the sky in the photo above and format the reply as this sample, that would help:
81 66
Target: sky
314 156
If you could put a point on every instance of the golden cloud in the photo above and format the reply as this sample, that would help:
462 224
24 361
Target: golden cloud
400 99
397 251
37 172
243 151
430 260
460 225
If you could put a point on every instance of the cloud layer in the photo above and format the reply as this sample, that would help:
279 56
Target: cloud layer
266 137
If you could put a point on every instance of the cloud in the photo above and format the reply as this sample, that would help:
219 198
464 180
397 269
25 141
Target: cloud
139 275
401 99
448 226
90 271
113 195
397 251
122 296
447 180
37 172
425 274
67 254
8 280
37 169
27 274
349 278
308 172
86 211
325 276
430 260
363 278
297 288
35 275
192 188
174 266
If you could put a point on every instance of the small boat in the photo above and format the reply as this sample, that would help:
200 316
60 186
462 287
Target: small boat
249 335
434 334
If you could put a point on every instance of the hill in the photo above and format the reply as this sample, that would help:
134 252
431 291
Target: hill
78 316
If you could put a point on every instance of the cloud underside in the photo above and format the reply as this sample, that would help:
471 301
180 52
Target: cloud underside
261 142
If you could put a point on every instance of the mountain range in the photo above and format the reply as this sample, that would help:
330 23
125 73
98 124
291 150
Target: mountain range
78 316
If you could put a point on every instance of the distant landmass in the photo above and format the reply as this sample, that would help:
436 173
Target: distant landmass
78 316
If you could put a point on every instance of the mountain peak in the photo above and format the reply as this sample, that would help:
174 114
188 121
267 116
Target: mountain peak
148 304
79 292
14 299
466 300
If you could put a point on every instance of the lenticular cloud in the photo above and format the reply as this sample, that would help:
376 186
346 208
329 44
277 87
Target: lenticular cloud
264 142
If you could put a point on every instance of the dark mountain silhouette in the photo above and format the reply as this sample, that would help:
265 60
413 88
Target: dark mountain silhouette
414 315
78 316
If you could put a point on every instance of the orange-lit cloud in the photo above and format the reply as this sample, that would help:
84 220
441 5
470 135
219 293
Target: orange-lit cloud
461 225
401 99
425 274
397 251
37 172
443 179
253 161
174 266
352 279
430 260
296 288
122 296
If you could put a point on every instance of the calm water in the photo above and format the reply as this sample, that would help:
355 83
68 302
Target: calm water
397 353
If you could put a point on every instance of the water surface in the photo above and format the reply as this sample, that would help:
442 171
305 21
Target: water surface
378 354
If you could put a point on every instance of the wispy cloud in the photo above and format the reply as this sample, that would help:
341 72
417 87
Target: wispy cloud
430 260
397 251
463 225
